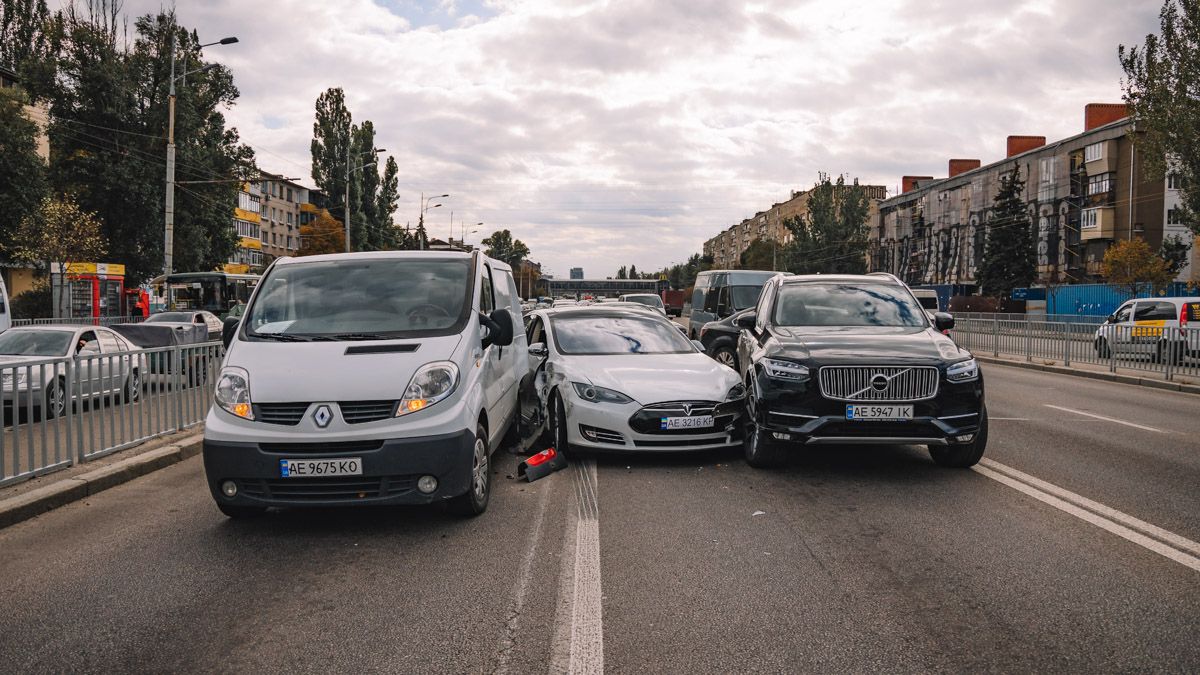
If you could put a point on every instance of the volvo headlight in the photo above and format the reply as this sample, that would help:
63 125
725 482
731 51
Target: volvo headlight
233 392
594 394
785 370
736 393
964 371
431 383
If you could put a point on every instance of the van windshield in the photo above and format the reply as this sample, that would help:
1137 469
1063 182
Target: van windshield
361 299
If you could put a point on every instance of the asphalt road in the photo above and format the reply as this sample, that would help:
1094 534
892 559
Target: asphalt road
848 560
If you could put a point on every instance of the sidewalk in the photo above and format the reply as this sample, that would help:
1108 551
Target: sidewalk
36 496
1190 385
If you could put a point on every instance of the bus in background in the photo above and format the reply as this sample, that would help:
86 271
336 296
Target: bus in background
719 293
5 308
216 292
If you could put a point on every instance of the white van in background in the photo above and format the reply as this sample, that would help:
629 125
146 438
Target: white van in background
367 378
5 308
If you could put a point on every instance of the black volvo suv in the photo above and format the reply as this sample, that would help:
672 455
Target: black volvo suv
851 360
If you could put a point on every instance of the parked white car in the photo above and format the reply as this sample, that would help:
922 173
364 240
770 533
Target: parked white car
1165 329
611 379
33 367
648 299
367 378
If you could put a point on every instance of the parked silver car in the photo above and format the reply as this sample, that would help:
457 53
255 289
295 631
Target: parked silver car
33 366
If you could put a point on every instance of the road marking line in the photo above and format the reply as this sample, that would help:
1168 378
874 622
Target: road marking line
587 627
1106 419
1110 525
521 591
1008 419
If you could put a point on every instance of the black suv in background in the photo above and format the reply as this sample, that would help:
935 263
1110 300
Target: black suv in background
854 360
720 339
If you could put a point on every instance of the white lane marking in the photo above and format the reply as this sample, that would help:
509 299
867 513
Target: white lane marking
521 591
1008 419
1103 523
1106 419
587 625
1136 524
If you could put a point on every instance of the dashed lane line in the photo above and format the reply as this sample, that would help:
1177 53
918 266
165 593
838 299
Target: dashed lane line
1106 419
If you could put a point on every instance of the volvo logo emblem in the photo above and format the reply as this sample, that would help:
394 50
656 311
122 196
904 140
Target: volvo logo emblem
322 416
880 382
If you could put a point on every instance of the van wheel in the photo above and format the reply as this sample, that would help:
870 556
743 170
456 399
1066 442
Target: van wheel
1169 353
475 500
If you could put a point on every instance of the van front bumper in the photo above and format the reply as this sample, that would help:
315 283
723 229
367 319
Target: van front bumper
390 470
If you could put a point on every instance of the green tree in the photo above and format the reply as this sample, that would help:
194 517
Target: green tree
833 238
333 134
1009 259
1162 85
1132 263
28 43
1174 252
633 273
22 172
365 230
322 235
387 236
622 272
57 234
759 255
502 246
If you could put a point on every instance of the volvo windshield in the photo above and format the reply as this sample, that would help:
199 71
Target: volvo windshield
361 299
832 304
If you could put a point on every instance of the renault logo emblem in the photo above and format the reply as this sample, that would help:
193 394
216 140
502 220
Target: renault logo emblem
322 416
880 382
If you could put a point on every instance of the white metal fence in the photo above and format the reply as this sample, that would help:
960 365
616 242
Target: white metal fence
63 411
90 321
1171 352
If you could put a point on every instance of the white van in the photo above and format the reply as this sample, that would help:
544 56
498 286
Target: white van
1166 329
5 308
367 378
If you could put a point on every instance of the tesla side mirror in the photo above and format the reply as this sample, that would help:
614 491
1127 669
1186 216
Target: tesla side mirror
228 330
539 350
943 321
747 320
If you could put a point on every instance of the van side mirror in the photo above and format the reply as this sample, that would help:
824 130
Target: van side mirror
1112 318
943 321
228 330
500 328
747 320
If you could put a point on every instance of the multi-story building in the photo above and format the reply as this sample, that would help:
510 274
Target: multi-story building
247 225
576 272
285 206
1083 194
1173 226
726 248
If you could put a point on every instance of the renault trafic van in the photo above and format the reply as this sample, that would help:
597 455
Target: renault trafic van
367 378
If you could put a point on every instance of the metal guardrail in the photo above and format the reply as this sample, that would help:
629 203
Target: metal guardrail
1089 319
1171 352
64 411
90 321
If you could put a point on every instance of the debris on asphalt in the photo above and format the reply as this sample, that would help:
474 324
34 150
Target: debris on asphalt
540 465
758 513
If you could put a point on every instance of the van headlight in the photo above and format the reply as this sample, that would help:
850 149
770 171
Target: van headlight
594 394
233 392
431 383
964 371
785 370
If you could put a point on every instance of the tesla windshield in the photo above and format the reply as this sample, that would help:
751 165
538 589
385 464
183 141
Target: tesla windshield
387 298
610 334
831 304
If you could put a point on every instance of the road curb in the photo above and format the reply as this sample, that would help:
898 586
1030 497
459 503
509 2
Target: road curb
36 502
1106 377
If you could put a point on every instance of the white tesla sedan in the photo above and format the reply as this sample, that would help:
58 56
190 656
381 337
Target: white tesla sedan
620 379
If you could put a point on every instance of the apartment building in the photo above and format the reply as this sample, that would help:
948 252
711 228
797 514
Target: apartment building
247 225
1083 193
284 206
727 247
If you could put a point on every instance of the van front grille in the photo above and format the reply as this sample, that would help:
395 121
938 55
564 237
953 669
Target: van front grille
288 414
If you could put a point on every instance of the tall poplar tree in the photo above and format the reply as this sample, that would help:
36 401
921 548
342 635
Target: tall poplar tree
1009 256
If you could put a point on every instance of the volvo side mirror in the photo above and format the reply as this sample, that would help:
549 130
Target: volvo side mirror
747 320
943 321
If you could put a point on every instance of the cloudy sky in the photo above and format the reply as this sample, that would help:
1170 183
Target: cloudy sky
610 132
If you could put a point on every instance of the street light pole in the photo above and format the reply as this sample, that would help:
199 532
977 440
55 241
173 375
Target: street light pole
169 200
424 209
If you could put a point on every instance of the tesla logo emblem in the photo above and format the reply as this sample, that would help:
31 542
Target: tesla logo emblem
880 382
687 408
323 416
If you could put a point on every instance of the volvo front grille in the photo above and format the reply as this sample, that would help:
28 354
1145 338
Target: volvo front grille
879 383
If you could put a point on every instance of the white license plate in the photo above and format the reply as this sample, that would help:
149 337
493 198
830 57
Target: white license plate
307 468
879 412
696 422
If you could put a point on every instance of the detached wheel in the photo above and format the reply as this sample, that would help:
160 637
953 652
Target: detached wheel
475 500
725 356
238 512
963 455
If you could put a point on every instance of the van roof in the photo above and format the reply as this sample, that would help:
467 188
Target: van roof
393 255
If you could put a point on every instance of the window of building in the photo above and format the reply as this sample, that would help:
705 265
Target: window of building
1174 181
289 194
272 213
264 235
1089 220
1174 216
1093 152
1099 184
289 217
1047 170
289 242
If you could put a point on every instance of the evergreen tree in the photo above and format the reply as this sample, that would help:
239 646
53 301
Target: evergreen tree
633 273
332 135
388 237
1009 258
365 229
622 273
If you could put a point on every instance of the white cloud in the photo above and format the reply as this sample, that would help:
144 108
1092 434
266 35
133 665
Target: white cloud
613 132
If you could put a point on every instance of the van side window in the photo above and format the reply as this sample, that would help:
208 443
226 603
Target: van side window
1122 314
710 302
1154 311
487 299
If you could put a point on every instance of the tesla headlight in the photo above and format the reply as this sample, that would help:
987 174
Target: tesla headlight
594 394
785 370
964 371
431 383
736 393
233 392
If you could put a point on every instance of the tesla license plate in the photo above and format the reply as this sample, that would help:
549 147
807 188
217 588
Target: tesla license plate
879 412
696 422
307 468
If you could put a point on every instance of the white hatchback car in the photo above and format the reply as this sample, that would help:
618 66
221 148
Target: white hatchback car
612 379
1161 328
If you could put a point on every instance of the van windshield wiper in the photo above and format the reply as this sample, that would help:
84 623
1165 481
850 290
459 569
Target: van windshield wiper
361 336
280 337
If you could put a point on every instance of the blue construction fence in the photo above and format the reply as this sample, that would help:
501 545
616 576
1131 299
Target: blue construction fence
1077 299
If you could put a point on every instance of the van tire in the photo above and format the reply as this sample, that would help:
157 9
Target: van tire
474 501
